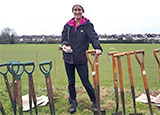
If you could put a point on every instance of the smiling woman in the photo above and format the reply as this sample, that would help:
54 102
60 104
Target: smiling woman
76 35
77 11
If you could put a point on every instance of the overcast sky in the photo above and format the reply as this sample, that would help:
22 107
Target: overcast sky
47 17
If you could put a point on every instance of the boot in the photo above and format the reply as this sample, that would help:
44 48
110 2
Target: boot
94 107
72 109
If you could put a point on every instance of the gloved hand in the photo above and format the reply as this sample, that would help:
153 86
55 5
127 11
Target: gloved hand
98 51
67 49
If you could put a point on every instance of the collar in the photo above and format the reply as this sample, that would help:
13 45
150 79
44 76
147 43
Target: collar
72 21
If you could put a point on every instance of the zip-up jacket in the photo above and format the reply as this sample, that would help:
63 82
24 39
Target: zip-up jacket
79 38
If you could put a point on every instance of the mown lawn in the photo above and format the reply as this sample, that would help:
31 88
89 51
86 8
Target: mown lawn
42 52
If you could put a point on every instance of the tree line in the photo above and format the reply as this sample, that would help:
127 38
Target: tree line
9 36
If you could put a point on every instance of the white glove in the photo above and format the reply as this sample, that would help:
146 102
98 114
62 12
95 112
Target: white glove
98 52
67 49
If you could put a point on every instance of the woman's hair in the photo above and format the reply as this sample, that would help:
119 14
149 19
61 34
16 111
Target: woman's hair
77 5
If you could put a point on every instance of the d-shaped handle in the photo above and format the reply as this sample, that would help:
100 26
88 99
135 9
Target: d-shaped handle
45 71
6 71
20 72
29 64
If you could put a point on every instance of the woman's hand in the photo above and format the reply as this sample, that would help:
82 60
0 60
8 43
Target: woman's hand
65 48
98 52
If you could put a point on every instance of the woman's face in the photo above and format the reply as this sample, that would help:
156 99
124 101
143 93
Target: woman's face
77 11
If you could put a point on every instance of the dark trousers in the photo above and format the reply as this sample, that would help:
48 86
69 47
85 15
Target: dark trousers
82 70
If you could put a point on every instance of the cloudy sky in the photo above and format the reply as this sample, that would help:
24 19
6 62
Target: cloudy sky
37 17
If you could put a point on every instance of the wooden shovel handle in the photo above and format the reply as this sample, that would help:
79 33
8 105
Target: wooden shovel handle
129 52
112 53
139 51
91 51
8 89
156 50
121 80
19 93
136 56
33 89
115 79
87 55
49 89
130 67
119 54
155 55
92 65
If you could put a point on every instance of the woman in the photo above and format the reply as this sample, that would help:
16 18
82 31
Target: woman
76 36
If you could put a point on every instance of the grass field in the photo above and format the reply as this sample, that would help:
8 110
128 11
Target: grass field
42 52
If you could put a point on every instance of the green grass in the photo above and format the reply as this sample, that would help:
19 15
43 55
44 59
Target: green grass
42 52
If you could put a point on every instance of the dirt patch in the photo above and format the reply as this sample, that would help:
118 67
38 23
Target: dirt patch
154 93
105 91
108 105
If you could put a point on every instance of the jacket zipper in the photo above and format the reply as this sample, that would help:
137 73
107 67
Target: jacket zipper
68 41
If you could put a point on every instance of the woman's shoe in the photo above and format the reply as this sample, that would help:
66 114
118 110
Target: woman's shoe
72 109
94 107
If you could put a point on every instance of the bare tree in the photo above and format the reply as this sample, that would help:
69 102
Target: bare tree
7 36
